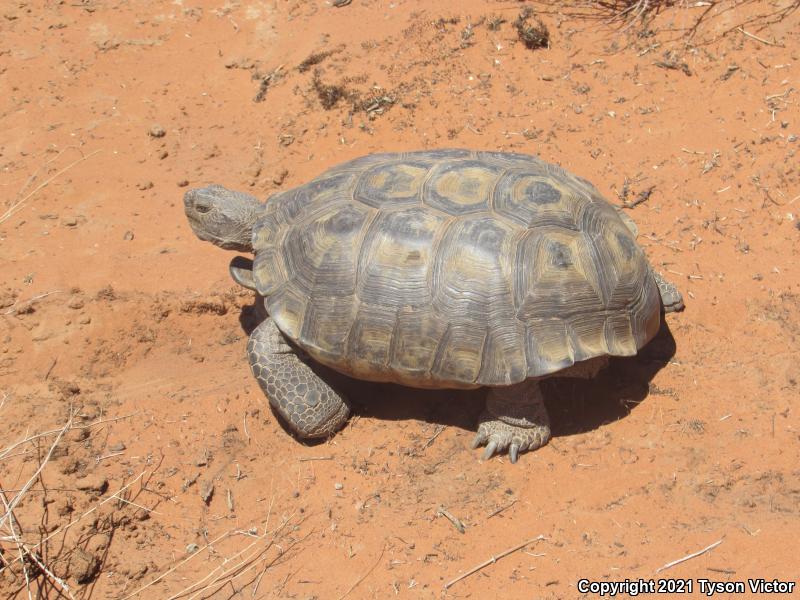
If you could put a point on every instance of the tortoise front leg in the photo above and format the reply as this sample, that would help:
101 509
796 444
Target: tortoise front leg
311 407
515 419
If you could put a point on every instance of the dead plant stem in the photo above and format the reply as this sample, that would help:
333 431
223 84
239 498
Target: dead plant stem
17 205
492 560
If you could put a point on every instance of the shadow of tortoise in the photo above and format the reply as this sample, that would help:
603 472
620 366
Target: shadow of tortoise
575 405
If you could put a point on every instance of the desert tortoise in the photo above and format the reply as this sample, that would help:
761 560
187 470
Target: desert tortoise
436 269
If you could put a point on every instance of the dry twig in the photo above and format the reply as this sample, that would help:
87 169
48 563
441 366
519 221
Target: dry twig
641 197
7 450
437 433
243 566
17 205
115 496
14 308
457 523
492 560
18 497
496 512
176 566
365 575
758 39
669 565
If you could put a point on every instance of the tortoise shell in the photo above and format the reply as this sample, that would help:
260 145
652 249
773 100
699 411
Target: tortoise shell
451 268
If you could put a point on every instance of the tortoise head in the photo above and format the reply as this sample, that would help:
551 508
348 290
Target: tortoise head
222 216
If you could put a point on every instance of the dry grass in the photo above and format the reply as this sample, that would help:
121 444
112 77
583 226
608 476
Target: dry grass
700 19
18 204
239 567
40 569
29 565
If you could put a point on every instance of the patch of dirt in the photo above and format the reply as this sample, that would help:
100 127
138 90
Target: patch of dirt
137 454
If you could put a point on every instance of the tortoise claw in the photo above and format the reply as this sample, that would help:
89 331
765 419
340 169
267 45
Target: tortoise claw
490 450
502 437
479 439
513 453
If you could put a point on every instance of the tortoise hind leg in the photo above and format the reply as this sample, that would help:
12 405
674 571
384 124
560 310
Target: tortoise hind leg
515 419
311 407
671 298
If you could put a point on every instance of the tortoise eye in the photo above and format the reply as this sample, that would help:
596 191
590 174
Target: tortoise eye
202 208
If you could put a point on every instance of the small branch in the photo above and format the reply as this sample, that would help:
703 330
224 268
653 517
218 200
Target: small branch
457 523
365 575
270 544
5 452
501 509
194 554
13 525
641 197
781 95
669 565
492 560
50 370
436 434
18 497
244 565
30 301
88 512
758 39
244 423
55 579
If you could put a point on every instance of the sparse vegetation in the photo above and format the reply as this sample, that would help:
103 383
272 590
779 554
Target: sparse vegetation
534 35
328 94
316 58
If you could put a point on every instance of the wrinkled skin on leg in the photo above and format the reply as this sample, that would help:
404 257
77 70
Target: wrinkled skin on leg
311 407
515 419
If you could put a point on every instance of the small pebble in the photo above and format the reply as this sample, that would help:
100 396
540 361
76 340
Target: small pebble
78 435
142 515
157 131
144 185
128 236
792 138
92 483
192 548
69 221
85 320
84 567
183 183
338 486
163 154
64 506
75 303
206 491
280 177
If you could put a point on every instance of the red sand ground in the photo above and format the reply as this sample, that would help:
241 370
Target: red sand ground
122 331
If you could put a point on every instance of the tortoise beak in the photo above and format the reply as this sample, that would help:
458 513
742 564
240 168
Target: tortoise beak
196 206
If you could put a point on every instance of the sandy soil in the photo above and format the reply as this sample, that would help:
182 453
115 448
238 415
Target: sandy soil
138 452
